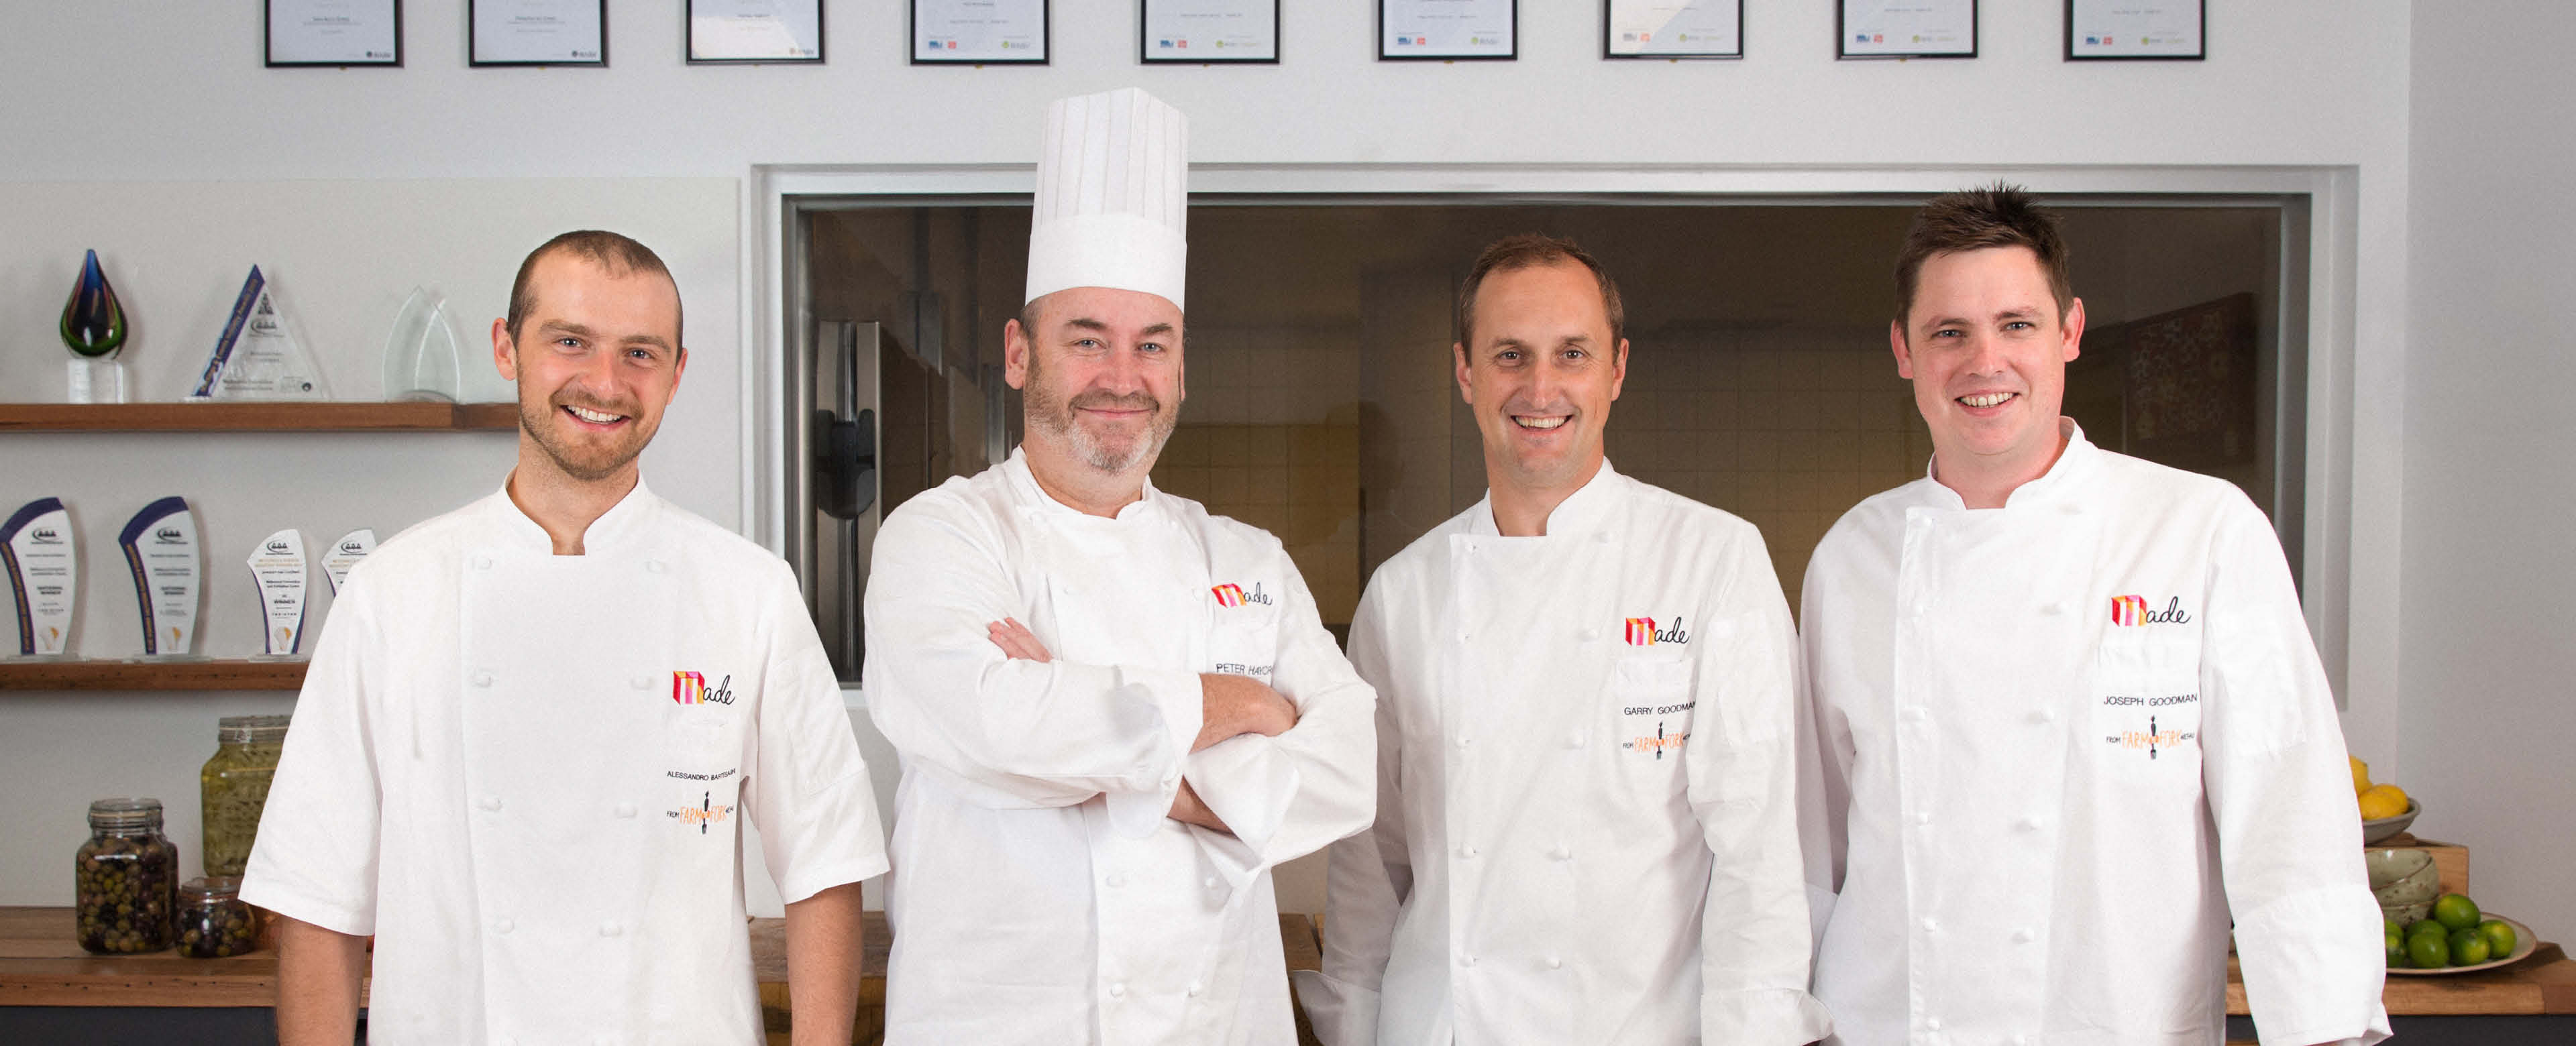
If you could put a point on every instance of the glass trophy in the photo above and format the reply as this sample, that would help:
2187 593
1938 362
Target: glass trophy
160 546
422 361
258 357
93 328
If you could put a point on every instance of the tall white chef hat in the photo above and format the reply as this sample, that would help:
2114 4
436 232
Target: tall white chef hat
1113 196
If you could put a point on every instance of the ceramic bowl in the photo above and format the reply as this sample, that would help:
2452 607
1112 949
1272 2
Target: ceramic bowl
2376 832
2404 881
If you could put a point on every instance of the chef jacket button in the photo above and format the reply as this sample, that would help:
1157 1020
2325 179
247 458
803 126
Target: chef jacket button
2052 609
1590 634
2042 716
1574 740
2027 824
1118 990
1466 960
1923 817
1464 741
489 802
1209 882
625 809
612 928
482 562
653 566
482 679
2021 1040
1117 878
1195 988
1466 851
1462 637
1561 853
641 682
1931 925
503 926
1555 963
1932 1023
2024 936
1916 714
1601 537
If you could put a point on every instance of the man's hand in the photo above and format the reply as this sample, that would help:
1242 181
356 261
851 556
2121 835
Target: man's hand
1233 705
1017 641
319 972
1188 809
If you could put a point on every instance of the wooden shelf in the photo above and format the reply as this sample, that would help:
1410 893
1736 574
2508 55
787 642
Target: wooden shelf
151 675
257 417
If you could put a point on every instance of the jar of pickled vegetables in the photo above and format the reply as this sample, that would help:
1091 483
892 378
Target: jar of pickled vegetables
234 787
128 877
213 920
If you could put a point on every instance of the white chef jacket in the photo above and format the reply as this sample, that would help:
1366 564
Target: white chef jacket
526 775
2061 743
1586 824
1040 894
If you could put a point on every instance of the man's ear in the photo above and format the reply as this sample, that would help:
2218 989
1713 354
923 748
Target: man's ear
1466 379
505 351
2074 329
1896 344
1619 369
1015 354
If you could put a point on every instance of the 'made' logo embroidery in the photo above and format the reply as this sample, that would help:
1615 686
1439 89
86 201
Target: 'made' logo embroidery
1235 596
690 688
2131 611
1642 632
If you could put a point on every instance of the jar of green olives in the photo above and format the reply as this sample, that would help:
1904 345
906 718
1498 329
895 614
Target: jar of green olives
128 878
213 920
233 787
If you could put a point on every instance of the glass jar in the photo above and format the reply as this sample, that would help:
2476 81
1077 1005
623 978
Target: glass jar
213 920
233 787
128 878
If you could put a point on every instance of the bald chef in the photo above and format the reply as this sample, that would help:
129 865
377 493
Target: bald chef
534 725
2070 723
1586 828
1116 711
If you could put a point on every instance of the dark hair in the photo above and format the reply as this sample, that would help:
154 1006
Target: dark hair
1997 215
1526 250
619 255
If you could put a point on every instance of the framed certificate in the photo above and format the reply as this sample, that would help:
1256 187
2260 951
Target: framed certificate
1905 29
980 32
537 32
333 32
724 32
1447 30
1672 29
2133 30
1208 31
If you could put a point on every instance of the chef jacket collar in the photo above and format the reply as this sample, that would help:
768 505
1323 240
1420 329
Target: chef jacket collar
620 529
2062 475
1025 485
1589 508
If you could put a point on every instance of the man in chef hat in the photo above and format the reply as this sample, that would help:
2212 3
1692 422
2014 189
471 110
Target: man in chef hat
1587 775
534 727
1116 712
2068 723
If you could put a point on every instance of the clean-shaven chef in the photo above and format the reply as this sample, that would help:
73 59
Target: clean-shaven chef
534 727
2068 719
1586 825
1116 712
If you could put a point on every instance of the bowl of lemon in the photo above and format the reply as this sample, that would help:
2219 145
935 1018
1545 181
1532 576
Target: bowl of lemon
2456 938
2385 808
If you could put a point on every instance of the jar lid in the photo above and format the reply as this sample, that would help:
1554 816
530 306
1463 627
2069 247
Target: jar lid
211 888
125 813
251 729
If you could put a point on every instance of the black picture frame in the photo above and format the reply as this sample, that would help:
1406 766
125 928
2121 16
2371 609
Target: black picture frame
268 43
2200 55
1608 55
1046 40
1385 55
689 41
1842 34
1145 42
478 62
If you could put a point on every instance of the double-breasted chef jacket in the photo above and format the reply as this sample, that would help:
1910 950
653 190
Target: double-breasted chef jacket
2061 744
1586 824
527 774
1040 893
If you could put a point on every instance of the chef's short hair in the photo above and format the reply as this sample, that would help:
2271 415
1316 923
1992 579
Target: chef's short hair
1527 250
620 255
1997 215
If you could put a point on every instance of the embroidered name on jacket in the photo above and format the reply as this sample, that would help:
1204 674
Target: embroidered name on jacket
1235 596
1641 631
2131 611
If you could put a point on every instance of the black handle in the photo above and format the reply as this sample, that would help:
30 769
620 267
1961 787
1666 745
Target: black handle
846 463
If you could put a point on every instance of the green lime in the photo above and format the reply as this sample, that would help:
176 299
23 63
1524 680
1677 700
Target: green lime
2396 949
2500 938
2427 951
2455 911
2420 927
2468 947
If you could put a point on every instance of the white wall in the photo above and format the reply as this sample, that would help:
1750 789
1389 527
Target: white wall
2487 717
131 91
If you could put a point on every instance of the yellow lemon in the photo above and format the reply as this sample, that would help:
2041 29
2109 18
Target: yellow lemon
2382 801
2360 775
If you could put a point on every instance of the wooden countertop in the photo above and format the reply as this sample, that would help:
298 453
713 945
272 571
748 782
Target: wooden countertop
40 965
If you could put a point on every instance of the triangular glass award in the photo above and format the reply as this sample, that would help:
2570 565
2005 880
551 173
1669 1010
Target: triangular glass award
258 357
421 357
